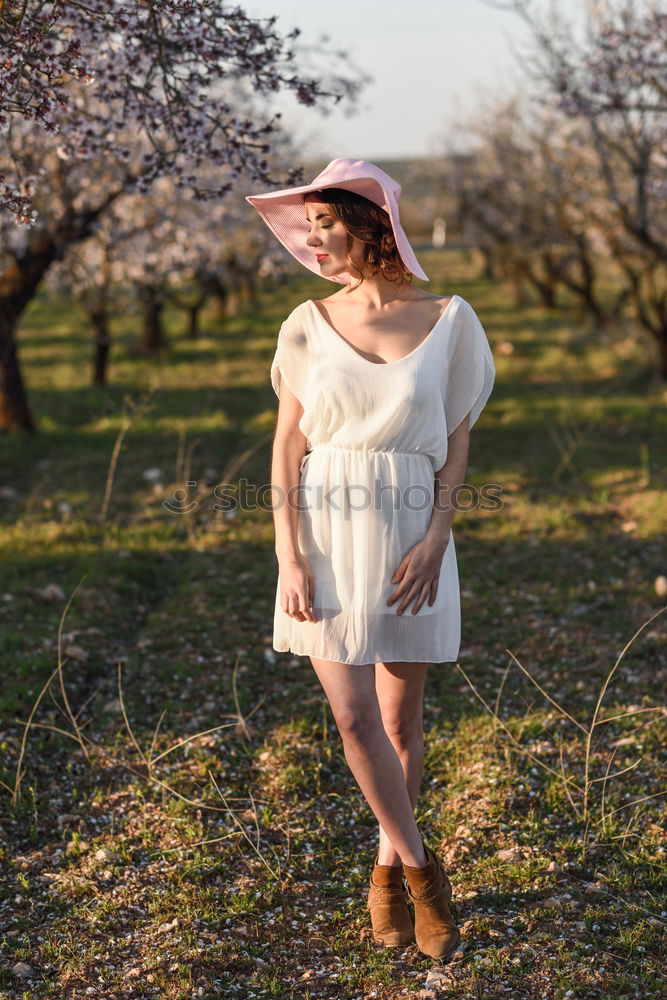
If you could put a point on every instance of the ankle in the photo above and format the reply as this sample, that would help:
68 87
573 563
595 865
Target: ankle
414 862
393 861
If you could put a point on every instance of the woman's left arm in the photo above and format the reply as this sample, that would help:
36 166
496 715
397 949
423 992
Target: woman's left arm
418 573
448 481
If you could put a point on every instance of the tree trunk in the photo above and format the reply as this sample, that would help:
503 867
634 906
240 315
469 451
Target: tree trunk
586 287
662 347
193 320
545 286
18 285
100 321
488 270
546 289
14 408
218 291
247 290
152 303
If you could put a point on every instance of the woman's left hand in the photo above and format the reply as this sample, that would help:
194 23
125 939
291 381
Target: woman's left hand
418 573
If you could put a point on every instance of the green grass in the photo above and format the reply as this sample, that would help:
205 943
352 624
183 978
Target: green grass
255 836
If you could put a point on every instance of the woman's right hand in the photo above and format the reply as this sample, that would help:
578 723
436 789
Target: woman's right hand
297 587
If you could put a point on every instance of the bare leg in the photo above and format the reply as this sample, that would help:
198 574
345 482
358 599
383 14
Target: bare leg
400 690
350 690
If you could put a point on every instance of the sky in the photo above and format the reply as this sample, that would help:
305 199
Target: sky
431 62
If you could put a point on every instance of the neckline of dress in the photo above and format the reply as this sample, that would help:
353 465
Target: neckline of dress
382 364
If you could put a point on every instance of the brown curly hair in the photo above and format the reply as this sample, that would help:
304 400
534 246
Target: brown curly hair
370 224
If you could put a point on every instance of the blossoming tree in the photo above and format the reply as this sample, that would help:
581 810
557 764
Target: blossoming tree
81 83
148 250
614 80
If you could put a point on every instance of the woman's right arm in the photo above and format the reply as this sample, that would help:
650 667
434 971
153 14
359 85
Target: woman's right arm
289 447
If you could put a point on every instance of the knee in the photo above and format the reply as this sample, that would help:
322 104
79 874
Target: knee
357 725
403 731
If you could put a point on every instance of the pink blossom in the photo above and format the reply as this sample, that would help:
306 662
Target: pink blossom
171 72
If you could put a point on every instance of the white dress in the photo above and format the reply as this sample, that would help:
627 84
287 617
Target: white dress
376 434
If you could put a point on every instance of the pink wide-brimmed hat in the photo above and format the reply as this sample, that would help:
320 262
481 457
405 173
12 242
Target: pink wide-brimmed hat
284 213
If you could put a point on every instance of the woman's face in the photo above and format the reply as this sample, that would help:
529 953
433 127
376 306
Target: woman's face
327 239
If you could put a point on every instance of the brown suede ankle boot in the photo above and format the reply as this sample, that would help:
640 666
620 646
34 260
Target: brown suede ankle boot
431 892
388 906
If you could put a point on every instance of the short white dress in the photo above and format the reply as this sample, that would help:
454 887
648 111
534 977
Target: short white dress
376 434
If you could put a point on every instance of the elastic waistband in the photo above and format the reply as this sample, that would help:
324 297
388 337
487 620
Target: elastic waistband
367 451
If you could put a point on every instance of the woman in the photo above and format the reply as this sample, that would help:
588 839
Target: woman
384 381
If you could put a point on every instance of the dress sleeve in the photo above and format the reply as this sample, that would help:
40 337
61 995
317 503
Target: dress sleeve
291 360
470 371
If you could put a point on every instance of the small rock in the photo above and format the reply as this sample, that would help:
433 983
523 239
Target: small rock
512 853
104 855
260 963
169 926
628 526
426 994
661 586
113 706
553 866
23 970
8 493
437 980
66 818
76 653
552 902
52 592
595 889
